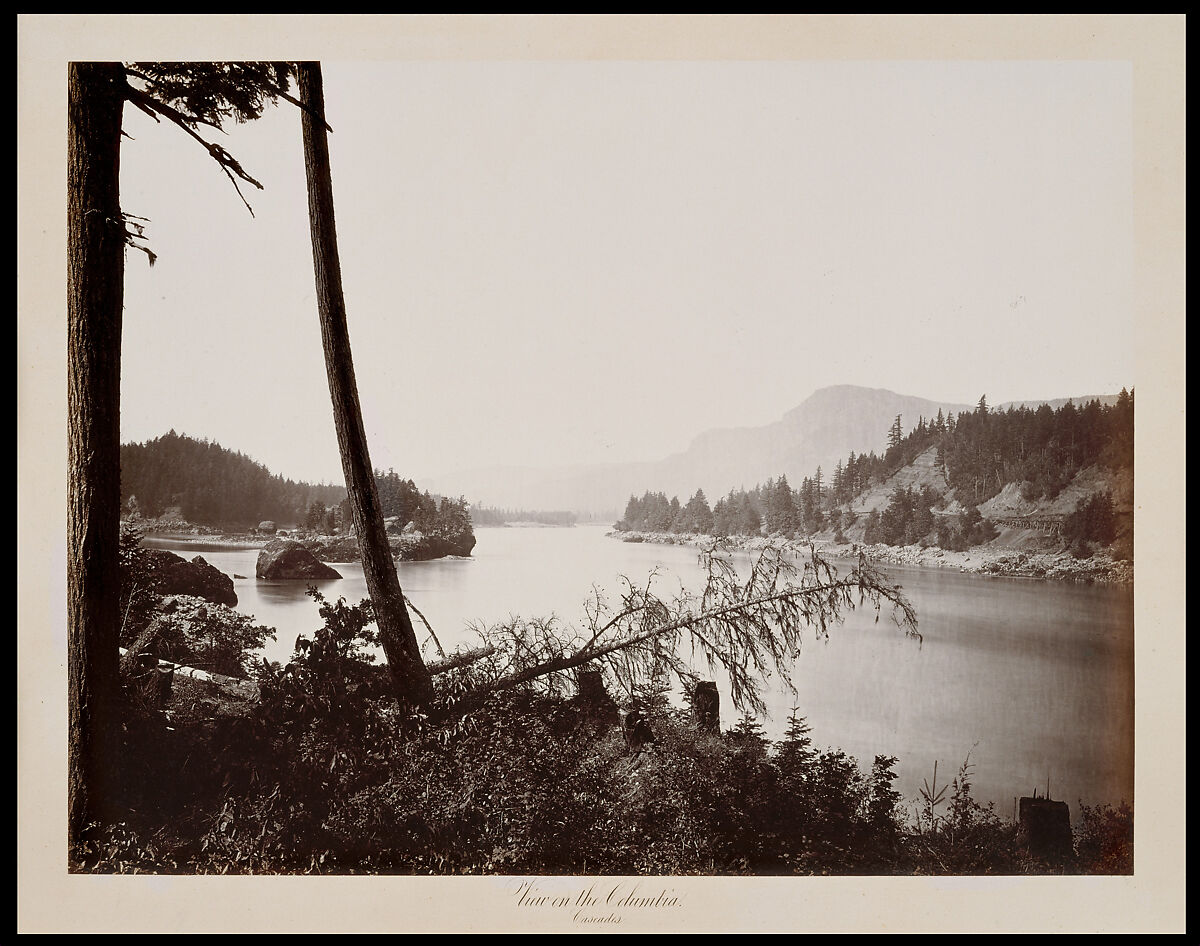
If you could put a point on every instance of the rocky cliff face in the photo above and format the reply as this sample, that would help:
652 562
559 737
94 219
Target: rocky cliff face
825 428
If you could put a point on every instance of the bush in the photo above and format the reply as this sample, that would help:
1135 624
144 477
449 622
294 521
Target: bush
117 849
197 633
1104 840
968 838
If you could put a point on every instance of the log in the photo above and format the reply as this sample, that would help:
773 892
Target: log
248 688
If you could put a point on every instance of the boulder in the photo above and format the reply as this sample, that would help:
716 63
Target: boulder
284 559
172 574
267 526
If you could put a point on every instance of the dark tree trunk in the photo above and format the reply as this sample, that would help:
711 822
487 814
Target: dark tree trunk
95 276
410 676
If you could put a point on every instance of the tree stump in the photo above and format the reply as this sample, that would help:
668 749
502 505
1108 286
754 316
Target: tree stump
1045 829
706 706
593 698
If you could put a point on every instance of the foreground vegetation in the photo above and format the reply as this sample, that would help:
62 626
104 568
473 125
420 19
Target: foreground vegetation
322 772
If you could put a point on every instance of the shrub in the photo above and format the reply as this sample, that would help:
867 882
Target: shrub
968 838
213 637
1104 840
326 774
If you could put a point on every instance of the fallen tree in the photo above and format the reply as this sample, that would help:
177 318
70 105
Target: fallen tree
746 630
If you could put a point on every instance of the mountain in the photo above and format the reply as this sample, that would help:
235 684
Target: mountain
825 428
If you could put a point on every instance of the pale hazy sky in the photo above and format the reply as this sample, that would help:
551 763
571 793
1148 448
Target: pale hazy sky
554 262
550 262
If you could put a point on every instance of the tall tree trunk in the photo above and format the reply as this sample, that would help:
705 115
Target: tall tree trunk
95 277
410 676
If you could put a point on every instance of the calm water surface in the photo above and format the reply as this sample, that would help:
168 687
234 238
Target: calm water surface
1033 679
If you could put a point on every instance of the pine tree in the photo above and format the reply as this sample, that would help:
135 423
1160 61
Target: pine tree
749 518
795 754
781 508
699 517
411 680
749 734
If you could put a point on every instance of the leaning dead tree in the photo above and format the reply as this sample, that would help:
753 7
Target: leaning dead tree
747 630
411 679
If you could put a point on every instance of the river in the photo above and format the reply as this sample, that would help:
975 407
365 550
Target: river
1034 680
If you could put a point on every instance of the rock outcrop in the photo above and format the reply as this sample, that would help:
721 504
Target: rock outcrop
336 548
172 574
409 546
284 559
415 547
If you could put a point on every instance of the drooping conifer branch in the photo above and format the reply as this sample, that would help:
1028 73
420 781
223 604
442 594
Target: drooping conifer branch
747 630
227 162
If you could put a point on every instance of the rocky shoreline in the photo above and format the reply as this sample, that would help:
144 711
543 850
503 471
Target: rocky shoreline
981 560
230 540
409 547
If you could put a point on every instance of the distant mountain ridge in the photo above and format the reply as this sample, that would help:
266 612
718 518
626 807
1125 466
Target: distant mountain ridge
825 428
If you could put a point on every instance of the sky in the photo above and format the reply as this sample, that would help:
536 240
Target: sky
549 263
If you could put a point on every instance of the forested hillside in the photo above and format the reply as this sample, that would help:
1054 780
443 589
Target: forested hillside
969 459
212 485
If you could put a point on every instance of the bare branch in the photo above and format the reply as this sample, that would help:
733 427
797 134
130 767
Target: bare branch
461 659
436 643
304 108
750 630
